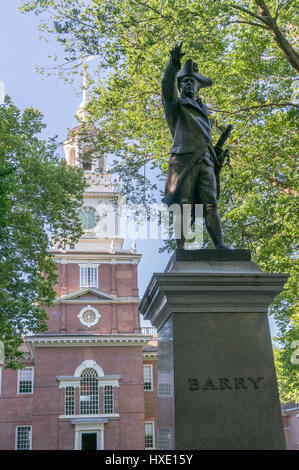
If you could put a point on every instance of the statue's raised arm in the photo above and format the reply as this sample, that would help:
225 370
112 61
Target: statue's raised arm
191 175
169 84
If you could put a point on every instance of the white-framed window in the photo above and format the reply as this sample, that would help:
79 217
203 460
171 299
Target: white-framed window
88 379
23 438
89 392
148 377
69 403
88 276
25 380
108 399
149 434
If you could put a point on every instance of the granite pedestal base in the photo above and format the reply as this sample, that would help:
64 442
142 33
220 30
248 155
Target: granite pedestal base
217 385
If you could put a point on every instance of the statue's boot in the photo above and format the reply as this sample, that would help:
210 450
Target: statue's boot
213 224
180 242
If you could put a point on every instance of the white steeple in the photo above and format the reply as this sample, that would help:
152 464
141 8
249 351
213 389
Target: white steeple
100 191
81 112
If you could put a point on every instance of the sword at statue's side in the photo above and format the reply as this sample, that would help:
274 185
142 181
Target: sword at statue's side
221 155
218 147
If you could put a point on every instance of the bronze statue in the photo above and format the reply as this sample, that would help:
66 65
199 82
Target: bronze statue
194 166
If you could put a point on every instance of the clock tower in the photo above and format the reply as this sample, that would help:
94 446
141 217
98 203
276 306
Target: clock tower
103 202
88 366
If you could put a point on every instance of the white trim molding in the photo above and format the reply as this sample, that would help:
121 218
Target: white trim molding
87 290
74 381
89 364
54 341
152 423
102 297
150 378
30 435
107 416
68 381
89 425
103 258
89 275
126 300
24 380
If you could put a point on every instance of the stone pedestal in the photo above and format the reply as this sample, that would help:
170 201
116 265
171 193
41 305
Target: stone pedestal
217 385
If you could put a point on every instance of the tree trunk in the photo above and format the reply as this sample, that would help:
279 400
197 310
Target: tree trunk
283 44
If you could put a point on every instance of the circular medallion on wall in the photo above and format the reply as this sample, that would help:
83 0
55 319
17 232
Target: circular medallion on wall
89 316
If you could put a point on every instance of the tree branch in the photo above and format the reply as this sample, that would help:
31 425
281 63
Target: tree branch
277 9
282 7
252 23
263 9
146 5
251 13
275 105
283 44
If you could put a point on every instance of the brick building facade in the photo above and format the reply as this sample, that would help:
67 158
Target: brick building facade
290 419
89 382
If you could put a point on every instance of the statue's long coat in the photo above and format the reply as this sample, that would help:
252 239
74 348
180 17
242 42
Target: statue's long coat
190 127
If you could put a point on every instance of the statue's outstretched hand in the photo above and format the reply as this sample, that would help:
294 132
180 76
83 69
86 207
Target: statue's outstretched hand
176 54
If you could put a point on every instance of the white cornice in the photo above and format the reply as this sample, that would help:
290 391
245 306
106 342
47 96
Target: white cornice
54 341
103 258
87 290
74 381
125 300
296 408
103 297
89 418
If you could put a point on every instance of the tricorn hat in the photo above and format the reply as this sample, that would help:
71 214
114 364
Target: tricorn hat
190 69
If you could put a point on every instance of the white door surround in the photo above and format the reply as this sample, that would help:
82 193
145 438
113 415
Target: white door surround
89 425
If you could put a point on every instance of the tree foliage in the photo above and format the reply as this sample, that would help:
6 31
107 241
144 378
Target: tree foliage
248 49
39 199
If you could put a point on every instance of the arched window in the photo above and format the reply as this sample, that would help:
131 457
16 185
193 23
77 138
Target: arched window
101 163
89 392
86 158
72 157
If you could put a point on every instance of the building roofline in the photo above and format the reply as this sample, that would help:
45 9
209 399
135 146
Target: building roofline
86 340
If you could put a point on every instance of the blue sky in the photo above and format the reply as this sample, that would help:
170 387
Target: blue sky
21 49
